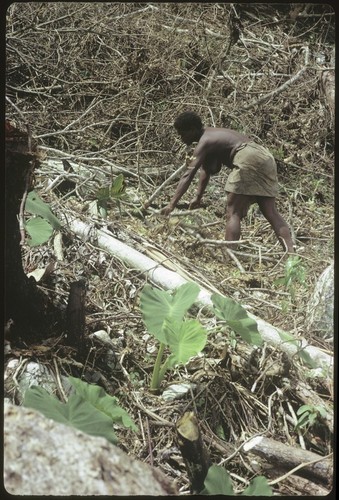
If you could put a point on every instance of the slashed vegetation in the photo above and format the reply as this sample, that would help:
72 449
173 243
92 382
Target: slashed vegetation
99 85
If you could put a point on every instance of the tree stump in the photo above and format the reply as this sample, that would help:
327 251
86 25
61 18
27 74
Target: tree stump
27 309
192 449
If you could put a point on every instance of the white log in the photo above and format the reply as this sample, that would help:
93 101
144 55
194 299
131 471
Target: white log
170 280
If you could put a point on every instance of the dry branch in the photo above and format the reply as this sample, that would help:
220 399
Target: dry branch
284 86
75 315
164 184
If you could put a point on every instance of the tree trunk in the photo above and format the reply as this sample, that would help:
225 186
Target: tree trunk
27 311
76 317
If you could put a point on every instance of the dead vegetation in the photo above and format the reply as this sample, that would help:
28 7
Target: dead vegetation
99 86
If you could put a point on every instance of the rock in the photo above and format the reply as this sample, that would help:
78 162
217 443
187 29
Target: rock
320 310
32 373
43 457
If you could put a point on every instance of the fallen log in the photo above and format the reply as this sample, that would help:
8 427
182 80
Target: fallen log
311 465
170 280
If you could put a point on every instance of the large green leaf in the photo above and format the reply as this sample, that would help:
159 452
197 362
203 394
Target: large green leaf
185 338
76 412
40 230
258 487
237 318
217 482
98 398
36 206
156 305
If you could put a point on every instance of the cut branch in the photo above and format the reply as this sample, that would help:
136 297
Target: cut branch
163 185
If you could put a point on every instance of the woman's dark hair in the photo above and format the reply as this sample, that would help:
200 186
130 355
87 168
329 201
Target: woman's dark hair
188 120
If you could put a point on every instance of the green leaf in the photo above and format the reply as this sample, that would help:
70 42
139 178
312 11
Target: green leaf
103 195
217 482
185 338
156 305
303 355
303 421
237 318
312 418
116 191
258 487
76 413
98 398
306 358
118 186
40 230
36 206
303 409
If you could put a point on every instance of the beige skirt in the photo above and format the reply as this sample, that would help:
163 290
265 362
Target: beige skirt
254 172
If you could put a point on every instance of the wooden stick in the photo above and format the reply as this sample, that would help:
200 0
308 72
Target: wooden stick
164 184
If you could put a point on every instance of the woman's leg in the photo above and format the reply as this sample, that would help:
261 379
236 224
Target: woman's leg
281 229
236 210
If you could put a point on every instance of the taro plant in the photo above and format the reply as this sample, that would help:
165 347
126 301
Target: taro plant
237 318
164 316
88 409
300 352
294 273
39 227
309 415
116 191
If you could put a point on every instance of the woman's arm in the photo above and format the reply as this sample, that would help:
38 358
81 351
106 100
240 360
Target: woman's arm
182 186
203 181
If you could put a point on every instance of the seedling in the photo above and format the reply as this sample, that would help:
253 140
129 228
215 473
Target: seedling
114 192
237 318
294 273
163 314
309 414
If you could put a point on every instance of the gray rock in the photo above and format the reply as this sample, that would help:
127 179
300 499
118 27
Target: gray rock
43 457
320 310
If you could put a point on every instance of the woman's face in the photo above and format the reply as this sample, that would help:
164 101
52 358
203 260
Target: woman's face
188 135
